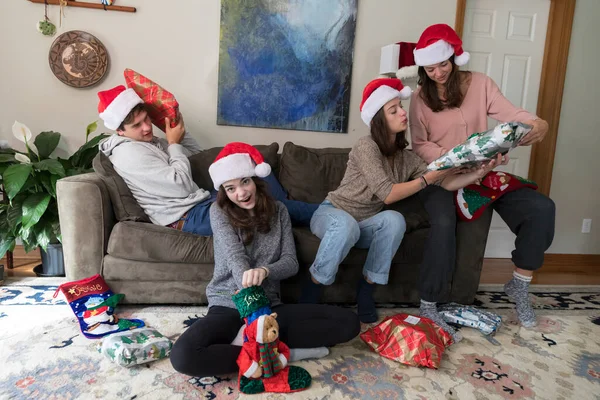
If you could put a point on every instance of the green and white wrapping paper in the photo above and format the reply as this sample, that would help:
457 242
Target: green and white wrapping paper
136 346
483 146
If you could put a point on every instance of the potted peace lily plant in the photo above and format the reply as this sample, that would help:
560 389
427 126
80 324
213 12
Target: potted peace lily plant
28 181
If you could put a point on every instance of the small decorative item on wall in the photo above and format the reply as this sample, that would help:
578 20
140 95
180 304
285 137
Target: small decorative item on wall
78 59
45 26
286 64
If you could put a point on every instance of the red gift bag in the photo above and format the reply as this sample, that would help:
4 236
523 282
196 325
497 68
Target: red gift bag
160 103
408 339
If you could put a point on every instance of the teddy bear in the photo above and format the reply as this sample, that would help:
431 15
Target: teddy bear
263 360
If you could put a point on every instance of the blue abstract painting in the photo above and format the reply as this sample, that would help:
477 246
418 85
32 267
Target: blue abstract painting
286 64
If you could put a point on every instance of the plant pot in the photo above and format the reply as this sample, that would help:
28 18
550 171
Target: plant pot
52 261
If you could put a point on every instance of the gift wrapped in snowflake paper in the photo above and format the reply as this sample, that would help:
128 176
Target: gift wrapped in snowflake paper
408 339
135 347
488 323
483 146
160 103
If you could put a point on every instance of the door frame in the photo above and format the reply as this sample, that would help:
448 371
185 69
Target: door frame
552 84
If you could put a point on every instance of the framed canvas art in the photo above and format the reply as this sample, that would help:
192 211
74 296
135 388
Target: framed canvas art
286 64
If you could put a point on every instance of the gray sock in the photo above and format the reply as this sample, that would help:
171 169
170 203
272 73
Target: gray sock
302 354
429 310
517 290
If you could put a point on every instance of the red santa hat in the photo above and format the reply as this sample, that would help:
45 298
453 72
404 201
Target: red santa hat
398 59
378 92
115 104
437 44
237 160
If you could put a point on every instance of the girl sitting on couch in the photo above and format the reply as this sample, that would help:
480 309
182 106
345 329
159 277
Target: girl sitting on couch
380 171
253 245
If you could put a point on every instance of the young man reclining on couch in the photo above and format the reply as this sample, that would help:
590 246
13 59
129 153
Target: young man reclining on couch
157 170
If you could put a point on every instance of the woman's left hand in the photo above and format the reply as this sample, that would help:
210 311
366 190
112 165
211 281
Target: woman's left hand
253 277
537 133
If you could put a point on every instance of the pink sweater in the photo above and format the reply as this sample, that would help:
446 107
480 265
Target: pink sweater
433 134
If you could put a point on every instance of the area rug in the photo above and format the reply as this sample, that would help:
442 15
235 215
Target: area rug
44 355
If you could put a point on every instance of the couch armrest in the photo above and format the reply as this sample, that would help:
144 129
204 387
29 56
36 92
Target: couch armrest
86 220
471 239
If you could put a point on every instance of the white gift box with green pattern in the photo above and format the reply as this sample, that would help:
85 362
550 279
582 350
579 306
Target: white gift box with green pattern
483 146
136 346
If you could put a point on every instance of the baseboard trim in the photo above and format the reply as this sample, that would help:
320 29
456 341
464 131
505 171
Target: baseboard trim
558 269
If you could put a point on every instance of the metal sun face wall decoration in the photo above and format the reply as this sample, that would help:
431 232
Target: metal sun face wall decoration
286 64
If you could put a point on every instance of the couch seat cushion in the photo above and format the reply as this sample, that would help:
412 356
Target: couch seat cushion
154 243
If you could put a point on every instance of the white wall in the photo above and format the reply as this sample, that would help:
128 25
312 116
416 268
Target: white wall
175 43
576 177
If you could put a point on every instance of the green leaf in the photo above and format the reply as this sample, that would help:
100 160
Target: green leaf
46 143
44 236
92 144
14 215
90 128
33 209
15 177
52 166
7 244
7 158
49 182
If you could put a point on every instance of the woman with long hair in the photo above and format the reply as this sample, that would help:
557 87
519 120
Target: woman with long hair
380 171
445 110
253 246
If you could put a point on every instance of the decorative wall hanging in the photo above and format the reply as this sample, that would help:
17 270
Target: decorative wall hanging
78 59
84 4
45 26
286 64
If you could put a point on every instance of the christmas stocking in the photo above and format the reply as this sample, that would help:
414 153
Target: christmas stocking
263 360
94 304
472 200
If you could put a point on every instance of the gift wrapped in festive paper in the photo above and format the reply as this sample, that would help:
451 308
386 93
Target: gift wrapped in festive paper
135 347
160 103
488 323
408 339
483 146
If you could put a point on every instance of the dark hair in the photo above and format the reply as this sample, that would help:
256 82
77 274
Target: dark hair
131 116
429 91
264 210
381 136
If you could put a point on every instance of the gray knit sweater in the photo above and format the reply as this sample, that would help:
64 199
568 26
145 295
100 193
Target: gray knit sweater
275 250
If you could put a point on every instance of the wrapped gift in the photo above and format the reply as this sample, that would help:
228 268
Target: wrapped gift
486 322
135 347
408 339
483 146
160 103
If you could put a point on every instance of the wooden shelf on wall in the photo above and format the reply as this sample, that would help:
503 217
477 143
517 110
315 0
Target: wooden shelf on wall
82 4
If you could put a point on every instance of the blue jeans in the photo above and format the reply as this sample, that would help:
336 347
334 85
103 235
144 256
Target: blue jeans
198 217
339 232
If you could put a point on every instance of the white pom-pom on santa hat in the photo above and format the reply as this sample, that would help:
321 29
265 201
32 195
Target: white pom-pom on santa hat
437 44
237 160
115 104
378 92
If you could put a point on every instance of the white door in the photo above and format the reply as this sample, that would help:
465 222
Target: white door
506 40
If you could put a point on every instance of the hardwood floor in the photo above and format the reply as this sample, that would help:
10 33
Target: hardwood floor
558 269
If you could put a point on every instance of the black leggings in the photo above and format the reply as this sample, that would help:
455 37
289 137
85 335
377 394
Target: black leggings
205 350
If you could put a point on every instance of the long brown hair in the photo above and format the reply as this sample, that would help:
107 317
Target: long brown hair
453 93
264 210
381 135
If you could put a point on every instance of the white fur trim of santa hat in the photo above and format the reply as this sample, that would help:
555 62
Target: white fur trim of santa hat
378 98
235 161
118 109
434 53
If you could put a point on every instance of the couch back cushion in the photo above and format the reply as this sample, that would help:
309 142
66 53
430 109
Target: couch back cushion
309 174
125 206
201 161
